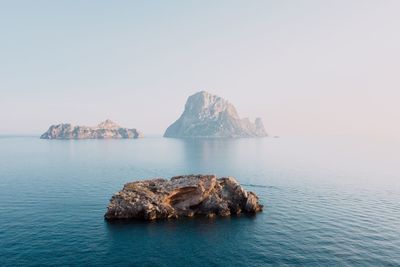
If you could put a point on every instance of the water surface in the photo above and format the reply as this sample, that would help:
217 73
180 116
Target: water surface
332 201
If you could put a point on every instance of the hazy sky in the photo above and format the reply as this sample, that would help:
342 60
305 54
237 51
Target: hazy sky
305 67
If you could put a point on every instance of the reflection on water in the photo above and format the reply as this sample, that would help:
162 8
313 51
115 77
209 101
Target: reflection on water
197 153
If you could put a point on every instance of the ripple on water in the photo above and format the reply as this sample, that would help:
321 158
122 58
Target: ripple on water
54 196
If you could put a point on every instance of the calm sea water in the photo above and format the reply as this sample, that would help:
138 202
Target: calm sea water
332 201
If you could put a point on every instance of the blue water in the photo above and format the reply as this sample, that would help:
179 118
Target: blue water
332 201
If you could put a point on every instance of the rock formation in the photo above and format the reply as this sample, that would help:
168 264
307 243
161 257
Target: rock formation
210 116
182 196
106 129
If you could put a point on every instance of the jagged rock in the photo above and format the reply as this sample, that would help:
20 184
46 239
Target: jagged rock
106 129
210 116
182 196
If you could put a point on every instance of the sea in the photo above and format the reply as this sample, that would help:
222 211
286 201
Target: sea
328 201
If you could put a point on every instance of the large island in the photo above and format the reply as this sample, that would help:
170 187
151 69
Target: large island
211 116
104 130
182 196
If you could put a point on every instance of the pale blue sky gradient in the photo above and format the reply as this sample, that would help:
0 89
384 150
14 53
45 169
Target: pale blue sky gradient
306 67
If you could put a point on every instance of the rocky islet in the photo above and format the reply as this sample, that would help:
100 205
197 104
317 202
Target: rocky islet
182 196
105 130
210 116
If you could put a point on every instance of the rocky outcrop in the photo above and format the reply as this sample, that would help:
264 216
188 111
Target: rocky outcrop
210 116
182 196
106 129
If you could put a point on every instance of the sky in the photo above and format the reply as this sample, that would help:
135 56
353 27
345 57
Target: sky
306 67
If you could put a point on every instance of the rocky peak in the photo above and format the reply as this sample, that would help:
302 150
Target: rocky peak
207 106
108 124
260 125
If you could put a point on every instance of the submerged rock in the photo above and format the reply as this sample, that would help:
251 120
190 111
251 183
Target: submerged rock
106 129
182 196
211 116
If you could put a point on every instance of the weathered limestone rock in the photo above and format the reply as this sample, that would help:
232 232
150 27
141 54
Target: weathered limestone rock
182 196
210 116
106 129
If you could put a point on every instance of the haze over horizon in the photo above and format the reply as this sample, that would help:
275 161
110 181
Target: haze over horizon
309 68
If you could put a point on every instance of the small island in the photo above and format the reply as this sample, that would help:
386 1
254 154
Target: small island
105 130
211 116
182 196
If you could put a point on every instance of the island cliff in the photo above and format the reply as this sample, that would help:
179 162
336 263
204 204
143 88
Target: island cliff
182 196
106 129
210 116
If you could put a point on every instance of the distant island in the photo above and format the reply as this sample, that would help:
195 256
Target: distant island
105 130
182 196
211 116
